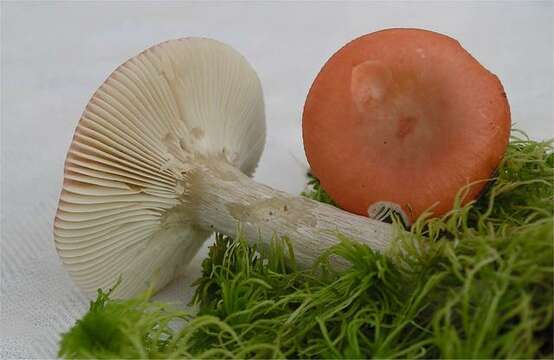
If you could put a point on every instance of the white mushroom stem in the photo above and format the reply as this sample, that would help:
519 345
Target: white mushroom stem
148 174
221 197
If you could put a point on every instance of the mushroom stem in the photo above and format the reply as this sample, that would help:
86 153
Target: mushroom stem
221 197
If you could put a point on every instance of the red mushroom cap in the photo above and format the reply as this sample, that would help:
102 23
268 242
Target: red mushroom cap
404 116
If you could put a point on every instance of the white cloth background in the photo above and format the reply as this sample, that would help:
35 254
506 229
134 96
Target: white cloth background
54 55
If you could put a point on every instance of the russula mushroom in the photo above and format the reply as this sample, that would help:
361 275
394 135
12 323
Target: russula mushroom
403 119
161 158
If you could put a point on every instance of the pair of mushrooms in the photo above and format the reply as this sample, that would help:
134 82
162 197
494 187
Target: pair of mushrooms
164 151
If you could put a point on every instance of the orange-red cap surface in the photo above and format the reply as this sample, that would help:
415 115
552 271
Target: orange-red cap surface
404 116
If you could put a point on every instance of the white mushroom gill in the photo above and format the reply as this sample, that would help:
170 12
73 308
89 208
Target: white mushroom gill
161 158
126 168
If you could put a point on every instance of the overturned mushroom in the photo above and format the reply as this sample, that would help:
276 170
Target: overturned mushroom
161 158
402 119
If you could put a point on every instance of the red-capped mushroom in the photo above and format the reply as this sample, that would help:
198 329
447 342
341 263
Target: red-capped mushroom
403 119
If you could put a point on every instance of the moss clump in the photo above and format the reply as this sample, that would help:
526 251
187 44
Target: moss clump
480 287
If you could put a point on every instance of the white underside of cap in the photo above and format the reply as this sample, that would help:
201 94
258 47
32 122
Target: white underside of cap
120 212
382 210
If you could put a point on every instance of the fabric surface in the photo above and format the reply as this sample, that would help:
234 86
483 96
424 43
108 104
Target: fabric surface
54 55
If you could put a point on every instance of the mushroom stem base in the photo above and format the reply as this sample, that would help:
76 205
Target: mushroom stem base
223 199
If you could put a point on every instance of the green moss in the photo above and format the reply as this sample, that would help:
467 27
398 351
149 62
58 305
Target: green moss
132 329
316 192
480 287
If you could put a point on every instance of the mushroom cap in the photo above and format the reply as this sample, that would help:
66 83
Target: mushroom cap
405 117
122 211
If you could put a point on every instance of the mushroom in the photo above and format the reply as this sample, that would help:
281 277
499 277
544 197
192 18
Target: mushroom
414 117
161 158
